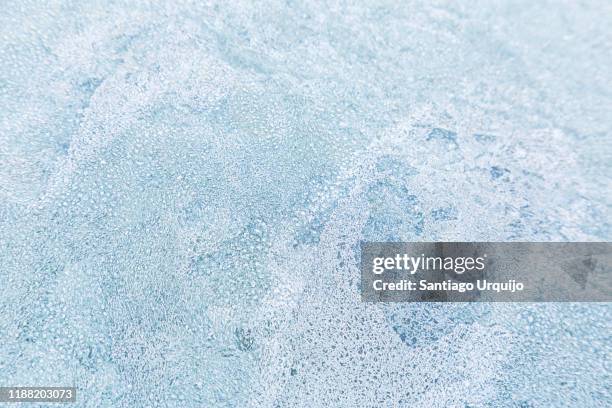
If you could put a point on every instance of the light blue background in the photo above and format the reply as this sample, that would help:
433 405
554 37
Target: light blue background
184 185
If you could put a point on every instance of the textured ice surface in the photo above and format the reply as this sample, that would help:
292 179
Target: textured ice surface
183 188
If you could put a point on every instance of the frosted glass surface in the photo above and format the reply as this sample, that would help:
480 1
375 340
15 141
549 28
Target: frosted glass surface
184 186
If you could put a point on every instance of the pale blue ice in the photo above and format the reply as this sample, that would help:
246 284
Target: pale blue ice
184 186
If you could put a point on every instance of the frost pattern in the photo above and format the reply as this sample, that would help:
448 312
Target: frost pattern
184 187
